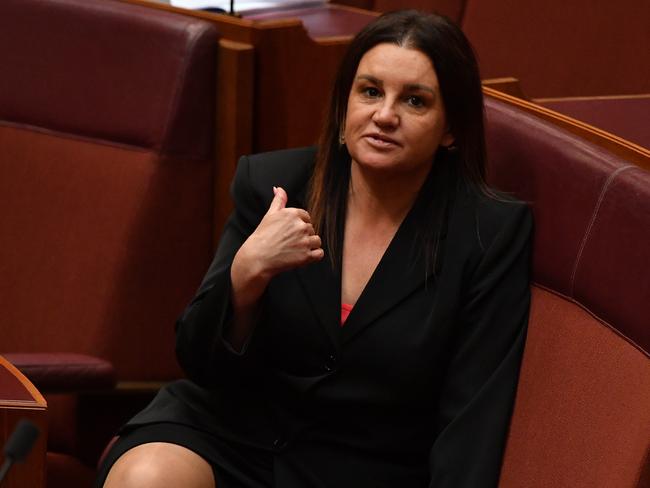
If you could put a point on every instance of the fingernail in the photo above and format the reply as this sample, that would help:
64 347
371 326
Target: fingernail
275 190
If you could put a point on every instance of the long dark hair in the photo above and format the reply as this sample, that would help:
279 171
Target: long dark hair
460 86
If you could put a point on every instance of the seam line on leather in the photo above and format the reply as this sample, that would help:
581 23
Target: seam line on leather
191 35
601 320
594 216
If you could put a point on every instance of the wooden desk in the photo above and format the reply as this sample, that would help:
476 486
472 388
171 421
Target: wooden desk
20 399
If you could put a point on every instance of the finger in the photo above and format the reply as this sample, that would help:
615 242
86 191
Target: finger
302 214
314 242
316 254
305 228
279 200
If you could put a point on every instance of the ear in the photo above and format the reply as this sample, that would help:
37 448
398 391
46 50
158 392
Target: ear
447 139
342 134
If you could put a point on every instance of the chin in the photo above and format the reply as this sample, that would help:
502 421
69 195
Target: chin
375 160
376 164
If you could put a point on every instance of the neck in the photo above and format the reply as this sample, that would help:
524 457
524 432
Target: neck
382 196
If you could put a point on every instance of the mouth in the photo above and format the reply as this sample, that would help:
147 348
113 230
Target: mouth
380 140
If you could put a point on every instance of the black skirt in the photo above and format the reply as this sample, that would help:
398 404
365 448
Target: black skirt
234 466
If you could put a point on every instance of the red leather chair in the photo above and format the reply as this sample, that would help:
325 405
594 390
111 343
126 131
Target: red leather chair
107 135
582 412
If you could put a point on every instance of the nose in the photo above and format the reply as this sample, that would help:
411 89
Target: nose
386 116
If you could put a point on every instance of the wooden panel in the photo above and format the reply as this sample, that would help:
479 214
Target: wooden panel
292 85
450 8
23 401
232 28
234 126
576 48
507 84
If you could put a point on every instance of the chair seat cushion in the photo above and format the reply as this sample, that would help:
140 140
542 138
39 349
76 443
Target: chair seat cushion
64 372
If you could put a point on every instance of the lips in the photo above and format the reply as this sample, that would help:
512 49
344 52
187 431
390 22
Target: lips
380 140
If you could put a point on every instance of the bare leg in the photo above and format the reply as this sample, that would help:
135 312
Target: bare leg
160 465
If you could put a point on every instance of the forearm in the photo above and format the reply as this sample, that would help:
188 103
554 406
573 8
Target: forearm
248 283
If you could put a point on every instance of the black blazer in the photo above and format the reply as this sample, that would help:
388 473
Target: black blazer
415 390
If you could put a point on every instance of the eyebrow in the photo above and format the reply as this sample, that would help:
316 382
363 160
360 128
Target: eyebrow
408 87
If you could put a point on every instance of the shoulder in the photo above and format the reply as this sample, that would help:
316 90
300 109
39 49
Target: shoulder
256 175
500 216
486 219
288 168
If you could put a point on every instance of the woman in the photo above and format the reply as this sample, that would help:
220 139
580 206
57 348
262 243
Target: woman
391 222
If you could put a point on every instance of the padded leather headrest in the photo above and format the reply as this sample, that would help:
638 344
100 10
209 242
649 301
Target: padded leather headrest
109 70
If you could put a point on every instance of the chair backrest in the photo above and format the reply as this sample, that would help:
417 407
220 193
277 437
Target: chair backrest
575 48
106 189
582 413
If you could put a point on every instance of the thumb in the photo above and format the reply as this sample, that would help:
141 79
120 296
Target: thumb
279 200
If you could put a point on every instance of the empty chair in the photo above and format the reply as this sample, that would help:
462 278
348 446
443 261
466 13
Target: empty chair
107 135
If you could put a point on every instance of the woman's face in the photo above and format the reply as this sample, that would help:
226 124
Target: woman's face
395 116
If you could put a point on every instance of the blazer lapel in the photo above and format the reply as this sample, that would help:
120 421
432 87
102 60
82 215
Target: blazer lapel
322 286
400 271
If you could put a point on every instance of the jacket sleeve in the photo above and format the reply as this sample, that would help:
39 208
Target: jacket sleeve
479 387
201 349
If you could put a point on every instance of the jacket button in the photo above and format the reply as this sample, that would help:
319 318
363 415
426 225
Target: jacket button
330 363
280 443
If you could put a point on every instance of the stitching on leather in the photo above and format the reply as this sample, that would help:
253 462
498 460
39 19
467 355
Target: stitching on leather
75 137
594 216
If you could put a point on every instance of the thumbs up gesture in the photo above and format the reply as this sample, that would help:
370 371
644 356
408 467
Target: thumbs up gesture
285 237
283 240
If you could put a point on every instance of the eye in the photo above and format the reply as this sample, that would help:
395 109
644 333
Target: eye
370 92
415 101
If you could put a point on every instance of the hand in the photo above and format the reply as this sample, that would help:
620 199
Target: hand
283 240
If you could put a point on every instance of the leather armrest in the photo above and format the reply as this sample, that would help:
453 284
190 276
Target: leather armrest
64 372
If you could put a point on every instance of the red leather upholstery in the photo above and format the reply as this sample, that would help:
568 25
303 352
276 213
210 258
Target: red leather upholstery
132 81
107 130
581 415
592 215
64 372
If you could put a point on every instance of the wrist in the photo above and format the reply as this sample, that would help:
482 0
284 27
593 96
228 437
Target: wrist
248 278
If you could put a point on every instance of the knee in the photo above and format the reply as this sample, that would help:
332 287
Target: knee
135 471
137 474
159 466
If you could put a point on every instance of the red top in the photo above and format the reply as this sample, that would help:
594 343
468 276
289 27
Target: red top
345 311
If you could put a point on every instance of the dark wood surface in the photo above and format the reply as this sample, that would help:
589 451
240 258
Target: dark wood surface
20 399
615 144
626 116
